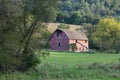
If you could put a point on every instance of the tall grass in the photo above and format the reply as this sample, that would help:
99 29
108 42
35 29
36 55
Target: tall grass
15 76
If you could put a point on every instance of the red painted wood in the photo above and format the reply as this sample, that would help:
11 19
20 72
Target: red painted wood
62 39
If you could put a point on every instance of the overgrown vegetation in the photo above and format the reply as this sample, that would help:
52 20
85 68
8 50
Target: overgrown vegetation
19 22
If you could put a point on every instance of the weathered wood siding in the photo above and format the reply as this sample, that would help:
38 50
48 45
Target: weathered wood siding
59 41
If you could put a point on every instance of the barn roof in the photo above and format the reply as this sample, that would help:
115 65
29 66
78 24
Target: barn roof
74 34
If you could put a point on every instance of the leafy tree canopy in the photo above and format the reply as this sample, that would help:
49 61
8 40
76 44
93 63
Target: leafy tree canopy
87 11
107 34
19 20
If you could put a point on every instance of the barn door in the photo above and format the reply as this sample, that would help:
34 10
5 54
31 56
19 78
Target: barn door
59 46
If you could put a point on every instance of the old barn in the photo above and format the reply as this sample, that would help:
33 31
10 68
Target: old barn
61 40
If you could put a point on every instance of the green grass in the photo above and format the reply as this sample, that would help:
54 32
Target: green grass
72 66
81 66
73 59
15 76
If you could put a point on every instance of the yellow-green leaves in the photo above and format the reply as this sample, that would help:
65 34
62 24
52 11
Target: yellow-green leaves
107 34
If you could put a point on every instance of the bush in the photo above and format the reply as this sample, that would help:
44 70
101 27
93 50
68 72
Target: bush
28 59
10 62
73 46
63 26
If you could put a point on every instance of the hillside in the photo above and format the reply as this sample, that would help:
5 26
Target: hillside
53 26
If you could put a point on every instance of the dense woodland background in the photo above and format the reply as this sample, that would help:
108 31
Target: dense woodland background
87 11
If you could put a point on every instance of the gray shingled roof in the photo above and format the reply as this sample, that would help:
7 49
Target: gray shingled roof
74 34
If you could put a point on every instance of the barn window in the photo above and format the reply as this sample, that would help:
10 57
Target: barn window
76 41
57 34
59 44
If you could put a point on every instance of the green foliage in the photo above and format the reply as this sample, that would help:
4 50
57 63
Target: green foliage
40 38
106 34
87 11
8 61
63 26
19 20
89 29
28 60
73 46
12 62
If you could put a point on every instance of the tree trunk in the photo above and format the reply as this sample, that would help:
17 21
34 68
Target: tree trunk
27 37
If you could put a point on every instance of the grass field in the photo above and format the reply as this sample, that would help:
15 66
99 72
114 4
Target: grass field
81 66
61 58
72 66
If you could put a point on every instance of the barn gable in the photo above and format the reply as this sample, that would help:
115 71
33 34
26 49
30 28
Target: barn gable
62 38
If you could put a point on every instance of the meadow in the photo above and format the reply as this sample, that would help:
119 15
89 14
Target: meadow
62 58
72 66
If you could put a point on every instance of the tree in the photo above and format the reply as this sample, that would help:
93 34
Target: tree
106 34
73 46
116 37
19 20
87 9
89 30
64 26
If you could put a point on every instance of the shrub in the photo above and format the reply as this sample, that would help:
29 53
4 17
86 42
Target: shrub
28 59
63 26
10 62
73 46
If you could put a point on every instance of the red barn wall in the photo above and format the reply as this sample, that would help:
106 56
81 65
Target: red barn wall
59 41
